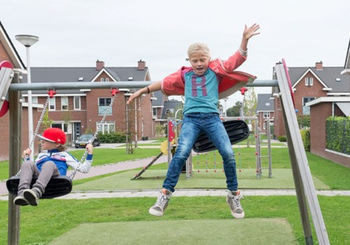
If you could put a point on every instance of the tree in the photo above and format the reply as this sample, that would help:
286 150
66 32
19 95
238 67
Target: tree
250 103
235 110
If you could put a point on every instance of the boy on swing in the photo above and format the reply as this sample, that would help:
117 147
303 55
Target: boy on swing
201 84
53 162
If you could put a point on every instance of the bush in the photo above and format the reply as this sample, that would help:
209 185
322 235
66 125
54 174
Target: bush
282 138
304 121
305 135
114 137
338 134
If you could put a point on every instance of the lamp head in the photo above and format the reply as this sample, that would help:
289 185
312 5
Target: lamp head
27 40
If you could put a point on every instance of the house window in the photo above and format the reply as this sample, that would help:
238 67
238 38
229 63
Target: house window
77 103
106 79
154 112
52 104
63 126
266 114
104 106
105 127
64 103
309 81
306 109
35 100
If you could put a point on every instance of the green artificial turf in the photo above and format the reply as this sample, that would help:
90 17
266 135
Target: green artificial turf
153 179
224 231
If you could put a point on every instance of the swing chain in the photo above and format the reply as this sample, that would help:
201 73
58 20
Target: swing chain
114 92
51 94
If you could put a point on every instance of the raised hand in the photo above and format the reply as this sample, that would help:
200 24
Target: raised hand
250 31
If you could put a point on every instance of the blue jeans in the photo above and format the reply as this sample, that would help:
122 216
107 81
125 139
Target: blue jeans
192 125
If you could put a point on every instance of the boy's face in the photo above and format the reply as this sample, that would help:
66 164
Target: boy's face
47 145
199 63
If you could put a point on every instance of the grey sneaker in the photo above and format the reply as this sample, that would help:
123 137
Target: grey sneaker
161 204
20 200
233 200
32 196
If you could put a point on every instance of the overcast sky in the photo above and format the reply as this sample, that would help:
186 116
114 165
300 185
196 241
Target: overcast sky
78 32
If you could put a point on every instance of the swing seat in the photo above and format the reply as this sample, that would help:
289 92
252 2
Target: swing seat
237 131
58 186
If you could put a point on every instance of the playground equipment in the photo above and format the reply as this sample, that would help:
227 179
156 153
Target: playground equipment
6 75
59 185
304 185
258 144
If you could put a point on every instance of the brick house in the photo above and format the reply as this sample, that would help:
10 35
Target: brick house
308 84
265 110
323 107
77 111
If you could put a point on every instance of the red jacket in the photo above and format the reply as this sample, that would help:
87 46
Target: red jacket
229 80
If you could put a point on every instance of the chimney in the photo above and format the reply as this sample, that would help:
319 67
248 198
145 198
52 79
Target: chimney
99 65
141 65
319 66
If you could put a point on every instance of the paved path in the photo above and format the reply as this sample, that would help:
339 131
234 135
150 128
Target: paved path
104 169
190 193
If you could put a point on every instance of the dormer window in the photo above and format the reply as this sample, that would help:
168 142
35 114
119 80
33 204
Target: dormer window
309 81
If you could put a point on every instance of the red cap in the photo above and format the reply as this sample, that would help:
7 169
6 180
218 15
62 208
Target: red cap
54 135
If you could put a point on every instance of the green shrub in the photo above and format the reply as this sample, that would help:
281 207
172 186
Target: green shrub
304 121
282 138
305 135
114 137
338 134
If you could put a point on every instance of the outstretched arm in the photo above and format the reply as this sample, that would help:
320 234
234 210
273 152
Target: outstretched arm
150 88
247 34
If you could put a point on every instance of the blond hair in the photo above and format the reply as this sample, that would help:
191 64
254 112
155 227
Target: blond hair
198 48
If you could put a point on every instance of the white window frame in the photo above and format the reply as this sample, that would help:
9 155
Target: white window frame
62 125
35 100
64 103
305 110
107 106
52 104
266 114
309 81
77 107
105 127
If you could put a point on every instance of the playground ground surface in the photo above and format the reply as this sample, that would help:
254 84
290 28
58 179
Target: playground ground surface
220 230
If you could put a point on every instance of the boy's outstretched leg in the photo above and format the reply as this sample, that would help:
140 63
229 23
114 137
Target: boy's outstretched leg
161 204
233 200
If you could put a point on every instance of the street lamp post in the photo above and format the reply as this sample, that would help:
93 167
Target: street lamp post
28 41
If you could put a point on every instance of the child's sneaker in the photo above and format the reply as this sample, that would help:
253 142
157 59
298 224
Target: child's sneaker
20 200
32 196
233 200
161 204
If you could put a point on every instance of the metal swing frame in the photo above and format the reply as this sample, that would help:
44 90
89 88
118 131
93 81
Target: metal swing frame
305 190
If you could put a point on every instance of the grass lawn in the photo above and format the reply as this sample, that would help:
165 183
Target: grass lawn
53 218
